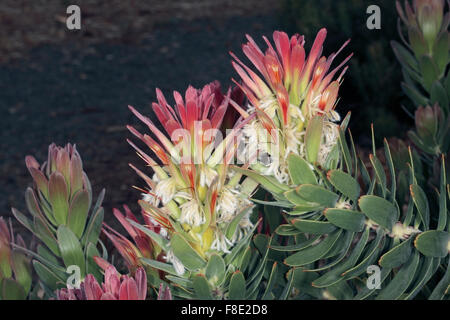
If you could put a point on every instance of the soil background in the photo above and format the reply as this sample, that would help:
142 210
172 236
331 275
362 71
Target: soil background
58 85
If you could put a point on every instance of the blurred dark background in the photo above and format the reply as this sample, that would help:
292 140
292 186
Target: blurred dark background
60 86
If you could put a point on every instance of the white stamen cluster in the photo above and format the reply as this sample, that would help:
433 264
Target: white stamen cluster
166 189
192 214
258 142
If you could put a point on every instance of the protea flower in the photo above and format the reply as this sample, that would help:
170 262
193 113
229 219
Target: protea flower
114 287
293 90
15 268
193 194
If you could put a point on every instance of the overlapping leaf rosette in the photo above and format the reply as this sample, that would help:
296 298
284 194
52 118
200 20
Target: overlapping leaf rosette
293 102
424 57
63 217
197 208
424 53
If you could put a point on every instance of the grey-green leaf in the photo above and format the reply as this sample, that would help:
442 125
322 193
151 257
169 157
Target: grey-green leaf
346 219
379 210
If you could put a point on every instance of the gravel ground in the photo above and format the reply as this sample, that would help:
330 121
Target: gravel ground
78 91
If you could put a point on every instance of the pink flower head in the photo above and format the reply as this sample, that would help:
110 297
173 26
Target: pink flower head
115 287
289 76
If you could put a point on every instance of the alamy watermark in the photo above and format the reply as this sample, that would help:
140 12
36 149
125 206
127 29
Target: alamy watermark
374 279
73 21
74 280
374 20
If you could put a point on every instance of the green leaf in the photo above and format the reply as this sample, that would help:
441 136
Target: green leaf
433 243
93 228
337 253
201 288
345 150
286 230
168 268
429 71
78 212
12 290
370 257
344 183
425 272
59 197
317 194
439 290
33 206
397 255
22 270
47 255
70 249
23 219
300 170
261 242
237 287
313 253
91 265
278 204
267 182
42 231
440 52
335 275
190 258
313 138
299 202
379 172
421 202
288 288
302 209
185 283
439 95
340 291
346 219
231 229
418 98
297 246
302 282
442 221
404 56
390 163
313 226
215 269
245 260
5 260
271 282
379 210
47 276
401 281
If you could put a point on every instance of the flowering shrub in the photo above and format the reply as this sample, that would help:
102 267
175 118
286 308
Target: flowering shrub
334 215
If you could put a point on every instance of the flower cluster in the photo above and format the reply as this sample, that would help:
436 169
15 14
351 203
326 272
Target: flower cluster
293 90
193 190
